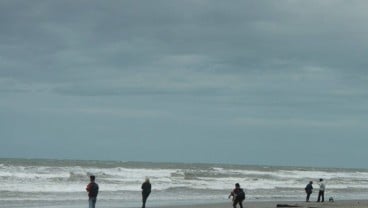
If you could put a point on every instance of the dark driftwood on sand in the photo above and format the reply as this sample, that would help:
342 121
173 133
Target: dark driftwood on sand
287 205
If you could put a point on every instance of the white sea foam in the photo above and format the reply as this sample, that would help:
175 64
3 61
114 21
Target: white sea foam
20 180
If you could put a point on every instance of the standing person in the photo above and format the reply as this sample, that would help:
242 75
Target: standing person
309 190
238 196
146 190
92 189
321 192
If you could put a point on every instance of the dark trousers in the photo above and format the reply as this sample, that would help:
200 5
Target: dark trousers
308 196
240 202
321 194
144 199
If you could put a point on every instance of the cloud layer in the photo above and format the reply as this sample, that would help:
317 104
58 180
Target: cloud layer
196 72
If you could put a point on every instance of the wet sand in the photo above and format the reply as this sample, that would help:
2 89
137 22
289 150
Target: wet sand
288 204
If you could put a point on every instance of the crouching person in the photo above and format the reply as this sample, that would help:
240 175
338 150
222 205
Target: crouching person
238 196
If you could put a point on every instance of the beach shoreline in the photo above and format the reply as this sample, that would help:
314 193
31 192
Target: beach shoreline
281 204
228 204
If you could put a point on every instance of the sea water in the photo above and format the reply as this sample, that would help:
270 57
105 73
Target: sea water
62 183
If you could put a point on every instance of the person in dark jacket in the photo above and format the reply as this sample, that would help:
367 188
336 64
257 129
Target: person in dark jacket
92 189
308 190
146 190
238 196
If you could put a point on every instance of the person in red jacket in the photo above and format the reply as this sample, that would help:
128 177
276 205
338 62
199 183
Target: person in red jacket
92 189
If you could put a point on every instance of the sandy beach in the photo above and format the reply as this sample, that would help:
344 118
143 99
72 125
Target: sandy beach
274 204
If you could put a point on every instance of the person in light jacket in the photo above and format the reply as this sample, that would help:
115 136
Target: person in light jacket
321 193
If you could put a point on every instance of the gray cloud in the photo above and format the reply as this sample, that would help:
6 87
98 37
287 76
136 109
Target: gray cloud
242 36
193 66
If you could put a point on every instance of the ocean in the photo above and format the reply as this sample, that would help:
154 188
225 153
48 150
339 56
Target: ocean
61 183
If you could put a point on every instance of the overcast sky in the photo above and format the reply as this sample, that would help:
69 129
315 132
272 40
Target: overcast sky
245 82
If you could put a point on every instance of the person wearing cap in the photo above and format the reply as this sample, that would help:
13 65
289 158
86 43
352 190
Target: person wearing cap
92 189
321 193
